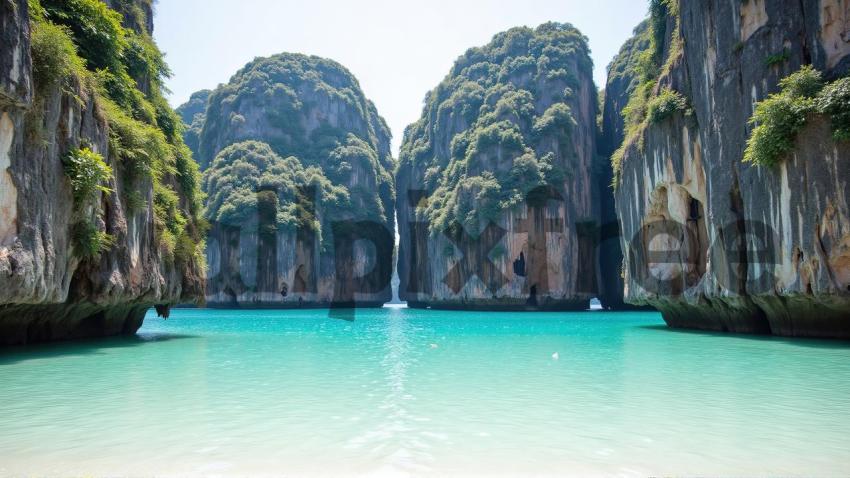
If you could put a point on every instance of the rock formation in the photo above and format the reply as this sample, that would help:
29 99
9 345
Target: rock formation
97 189
497 190
298 172
194 114
713 241
621 83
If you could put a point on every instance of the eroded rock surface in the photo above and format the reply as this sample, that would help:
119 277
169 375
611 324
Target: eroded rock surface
47 291
298 171
688 205
621 83
497 186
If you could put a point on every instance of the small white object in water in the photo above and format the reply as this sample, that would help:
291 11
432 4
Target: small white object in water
556 356
435 346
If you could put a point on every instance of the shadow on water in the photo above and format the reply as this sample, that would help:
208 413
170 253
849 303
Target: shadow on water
800 342
12 355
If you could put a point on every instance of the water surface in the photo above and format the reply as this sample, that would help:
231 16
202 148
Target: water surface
398 391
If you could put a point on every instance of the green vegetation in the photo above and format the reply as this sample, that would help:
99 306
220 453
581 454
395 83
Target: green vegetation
89 241
499 125
279 91
659 12
777 58
279 124
54 56
665 104
108 56
97 30
623 67
834 102
779 117
647 102
243 169
88 174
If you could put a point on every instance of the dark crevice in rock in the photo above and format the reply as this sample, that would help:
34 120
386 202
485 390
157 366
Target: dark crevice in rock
519 265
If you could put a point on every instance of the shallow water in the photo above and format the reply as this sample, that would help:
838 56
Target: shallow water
401 391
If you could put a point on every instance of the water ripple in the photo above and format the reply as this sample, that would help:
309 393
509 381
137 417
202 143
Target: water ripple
402 392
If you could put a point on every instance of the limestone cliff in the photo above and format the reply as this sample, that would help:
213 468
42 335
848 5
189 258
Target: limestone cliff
193 114
300 191
621 83
712 241
84 245
497 189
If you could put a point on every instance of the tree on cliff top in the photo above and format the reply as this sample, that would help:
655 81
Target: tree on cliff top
280 91
242 169
499 125
293 120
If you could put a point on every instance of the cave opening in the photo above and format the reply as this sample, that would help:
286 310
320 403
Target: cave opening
697 240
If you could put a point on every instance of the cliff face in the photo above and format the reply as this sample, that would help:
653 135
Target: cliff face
714 242
74 265
621 83
194 114
497 199
300 191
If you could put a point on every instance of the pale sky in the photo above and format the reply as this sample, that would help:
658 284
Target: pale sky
398 50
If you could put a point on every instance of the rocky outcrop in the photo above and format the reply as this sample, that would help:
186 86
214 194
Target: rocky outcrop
622 82
497 189
300 191
193 113
49 289
711 241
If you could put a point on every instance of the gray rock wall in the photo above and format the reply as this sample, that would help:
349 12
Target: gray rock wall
621 83
308 108
46 292
539 254
690 172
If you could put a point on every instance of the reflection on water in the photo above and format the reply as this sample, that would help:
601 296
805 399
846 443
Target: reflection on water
10 355
403 392
393 440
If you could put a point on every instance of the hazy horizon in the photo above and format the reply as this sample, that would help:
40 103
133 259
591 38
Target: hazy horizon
398 51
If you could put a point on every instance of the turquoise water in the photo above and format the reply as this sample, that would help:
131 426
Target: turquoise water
403 392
